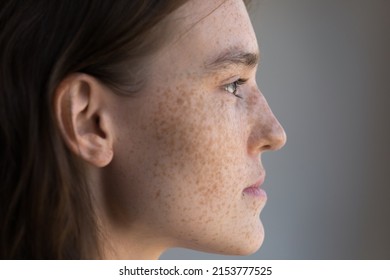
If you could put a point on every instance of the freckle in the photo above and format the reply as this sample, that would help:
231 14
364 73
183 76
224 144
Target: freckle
157 194
201 190
179 101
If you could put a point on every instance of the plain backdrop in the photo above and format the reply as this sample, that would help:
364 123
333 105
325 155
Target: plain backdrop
325 73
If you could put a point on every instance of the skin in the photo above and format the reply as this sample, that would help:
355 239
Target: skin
169 165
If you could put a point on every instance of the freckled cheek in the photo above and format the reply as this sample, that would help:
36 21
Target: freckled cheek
200 160
197 134
196 168
193 149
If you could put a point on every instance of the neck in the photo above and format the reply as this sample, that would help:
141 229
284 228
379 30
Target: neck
130 248
121 236
134 241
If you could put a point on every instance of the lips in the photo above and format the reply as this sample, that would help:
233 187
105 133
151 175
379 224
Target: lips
255 189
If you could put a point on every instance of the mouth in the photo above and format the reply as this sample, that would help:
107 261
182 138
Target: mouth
255 189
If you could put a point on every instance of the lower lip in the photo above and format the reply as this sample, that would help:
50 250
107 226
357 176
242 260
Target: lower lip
255 192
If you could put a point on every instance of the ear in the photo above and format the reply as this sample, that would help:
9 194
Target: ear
83 118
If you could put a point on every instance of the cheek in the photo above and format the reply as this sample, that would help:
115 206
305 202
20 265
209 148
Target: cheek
186 175
200 162
196 136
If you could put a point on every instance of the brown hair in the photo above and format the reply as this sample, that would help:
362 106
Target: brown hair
45 207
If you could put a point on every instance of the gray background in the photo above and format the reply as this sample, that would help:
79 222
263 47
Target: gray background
325 73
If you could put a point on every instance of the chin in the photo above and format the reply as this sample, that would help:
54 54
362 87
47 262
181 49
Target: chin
237 244
245 248
249 243
252 248
248 246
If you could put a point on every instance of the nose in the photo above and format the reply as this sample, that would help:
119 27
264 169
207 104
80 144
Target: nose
266 131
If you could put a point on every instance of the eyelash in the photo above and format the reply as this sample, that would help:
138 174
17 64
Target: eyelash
236 84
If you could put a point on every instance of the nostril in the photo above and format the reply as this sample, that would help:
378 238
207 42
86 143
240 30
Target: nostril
267 147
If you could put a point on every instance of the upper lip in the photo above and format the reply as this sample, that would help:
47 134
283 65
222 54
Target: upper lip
258 182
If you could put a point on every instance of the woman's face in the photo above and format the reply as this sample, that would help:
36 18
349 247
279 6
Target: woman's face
189 144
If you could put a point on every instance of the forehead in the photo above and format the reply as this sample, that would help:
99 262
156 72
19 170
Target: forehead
205 29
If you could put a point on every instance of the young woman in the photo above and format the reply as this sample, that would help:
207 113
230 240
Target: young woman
130 127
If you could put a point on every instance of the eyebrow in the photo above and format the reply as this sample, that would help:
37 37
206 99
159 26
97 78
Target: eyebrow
232 58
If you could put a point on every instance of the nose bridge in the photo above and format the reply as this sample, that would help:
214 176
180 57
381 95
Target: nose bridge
266 132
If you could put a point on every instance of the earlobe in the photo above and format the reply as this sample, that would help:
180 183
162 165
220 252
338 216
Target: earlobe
83 118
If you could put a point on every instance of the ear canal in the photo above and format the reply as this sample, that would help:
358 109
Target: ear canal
99 129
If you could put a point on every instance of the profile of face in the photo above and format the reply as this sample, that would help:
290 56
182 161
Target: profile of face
185 165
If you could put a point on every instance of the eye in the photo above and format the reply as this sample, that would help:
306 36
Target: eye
233 87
